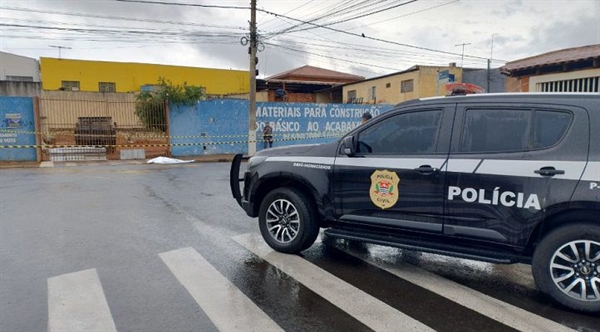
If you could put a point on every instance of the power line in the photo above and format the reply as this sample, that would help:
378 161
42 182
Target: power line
359 16
185 4
376 39
301 21
30 10
330 57
334 11
289 11
403 15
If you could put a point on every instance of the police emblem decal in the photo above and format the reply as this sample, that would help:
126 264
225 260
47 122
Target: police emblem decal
384 189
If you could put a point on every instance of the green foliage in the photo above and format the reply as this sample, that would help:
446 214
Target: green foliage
151 106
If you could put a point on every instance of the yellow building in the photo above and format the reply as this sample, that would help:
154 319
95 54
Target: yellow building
104 76
415 82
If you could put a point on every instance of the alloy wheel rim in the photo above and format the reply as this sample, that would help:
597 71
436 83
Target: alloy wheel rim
283 221
575 270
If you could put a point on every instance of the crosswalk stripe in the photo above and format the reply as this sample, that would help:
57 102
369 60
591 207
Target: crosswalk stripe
365 308
227 307
76 302
502 312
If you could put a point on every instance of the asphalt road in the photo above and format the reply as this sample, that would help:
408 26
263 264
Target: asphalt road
166 248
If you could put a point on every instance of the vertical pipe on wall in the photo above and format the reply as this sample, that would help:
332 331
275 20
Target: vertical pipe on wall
36 122
167 128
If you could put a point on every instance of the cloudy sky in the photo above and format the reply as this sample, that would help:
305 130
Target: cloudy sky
324 33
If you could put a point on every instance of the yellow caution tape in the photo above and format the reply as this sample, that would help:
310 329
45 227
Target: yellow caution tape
49 146
334 133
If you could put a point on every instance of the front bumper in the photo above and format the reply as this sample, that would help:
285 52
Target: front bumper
234 183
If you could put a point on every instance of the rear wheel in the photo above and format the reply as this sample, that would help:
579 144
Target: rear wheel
566 266
288 221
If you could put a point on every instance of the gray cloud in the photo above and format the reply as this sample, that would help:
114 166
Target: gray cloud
522 28
577 31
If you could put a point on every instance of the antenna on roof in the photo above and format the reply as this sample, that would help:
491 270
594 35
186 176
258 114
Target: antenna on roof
60 49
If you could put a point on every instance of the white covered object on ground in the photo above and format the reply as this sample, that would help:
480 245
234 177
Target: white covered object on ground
165 160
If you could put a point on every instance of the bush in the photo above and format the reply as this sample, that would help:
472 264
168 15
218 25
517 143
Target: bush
151 106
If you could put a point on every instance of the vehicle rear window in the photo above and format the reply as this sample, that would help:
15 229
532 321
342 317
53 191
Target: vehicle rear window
512 130
550 127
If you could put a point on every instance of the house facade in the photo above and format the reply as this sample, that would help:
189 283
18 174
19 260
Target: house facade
415 82
17 68
569 70
306 84
19 75
104 76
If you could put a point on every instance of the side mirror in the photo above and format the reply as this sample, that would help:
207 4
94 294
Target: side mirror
348 146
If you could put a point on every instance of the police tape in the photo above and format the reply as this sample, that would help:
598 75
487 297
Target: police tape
52 146
305 135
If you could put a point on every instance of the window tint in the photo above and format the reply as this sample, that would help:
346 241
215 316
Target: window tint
496 130
549 128
487 130
408 133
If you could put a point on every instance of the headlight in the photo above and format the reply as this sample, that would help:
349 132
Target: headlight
255 161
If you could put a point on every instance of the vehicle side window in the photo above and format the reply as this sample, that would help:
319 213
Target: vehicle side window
496 130
407 133
550 127
512 130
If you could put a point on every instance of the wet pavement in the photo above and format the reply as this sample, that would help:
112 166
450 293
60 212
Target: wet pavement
120 220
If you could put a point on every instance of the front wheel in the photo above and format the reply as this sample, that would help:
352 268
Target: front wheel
566 266
287 221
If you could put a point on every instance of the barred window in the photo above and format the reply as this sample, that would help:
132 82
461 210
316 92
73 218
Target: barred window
588 84
70 85
107 87
351 96
406 86
19 78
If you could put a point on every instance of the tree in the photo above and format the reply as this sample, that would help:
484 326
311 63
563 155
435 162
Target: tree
151 106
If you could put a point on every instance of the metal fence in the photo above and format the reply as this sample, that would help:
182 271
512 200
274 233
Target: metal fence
80 126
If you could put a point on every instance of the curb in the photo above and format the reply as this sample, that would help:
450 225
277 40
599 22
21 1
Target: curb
221 158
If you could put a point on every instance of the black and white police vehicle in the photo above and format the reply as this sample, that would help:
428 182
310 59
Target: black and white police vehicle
501 178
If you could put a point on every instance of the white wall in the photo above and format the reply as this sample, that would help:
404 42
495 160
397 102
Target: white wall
16 65
536 81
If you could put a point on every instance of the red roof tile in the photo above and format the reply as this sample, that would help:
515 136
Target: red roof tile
554 58
312 73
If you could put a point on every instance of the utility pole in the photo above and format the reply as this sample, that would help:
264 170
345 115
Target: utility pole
492 48
59 49
489 65
489 77
462 57
252 110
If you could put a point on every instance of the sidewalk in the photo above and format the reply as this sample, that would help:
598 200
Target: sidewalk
28 164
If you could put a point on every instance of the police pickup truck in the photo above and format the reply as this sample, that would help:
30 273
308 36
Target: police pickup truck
501 178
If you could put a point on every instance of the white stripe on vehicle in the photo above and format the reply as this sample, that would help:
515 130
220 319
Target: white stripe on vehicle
462 165
314 160
523 168
592 171
527 168
226 306
76 302
367 309
390 163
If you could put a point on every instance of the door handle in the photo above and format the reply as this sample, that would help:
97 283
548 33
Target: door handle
426 169
548 171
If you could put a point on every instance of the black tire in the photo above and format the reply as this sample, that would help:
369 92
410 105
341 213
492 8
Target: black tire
584 271
304 222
